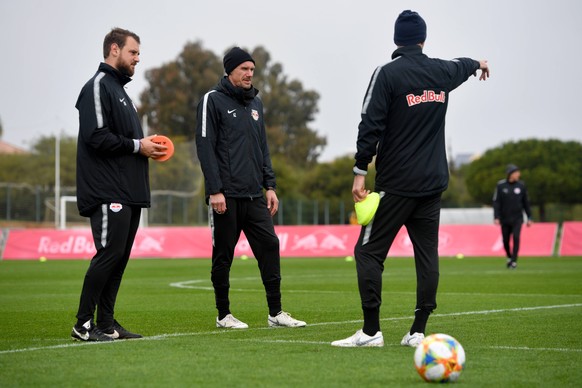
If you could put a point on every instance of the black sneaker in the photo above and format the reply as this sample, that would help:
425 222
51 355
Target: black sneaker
89 332
119 332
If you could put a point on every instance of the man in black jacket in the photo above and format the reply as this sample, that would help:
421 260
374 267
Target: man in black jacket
232 148
510 200
403 123
112 182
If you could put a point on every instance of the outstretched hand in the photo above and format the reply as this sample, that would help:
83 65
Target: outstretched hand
484 67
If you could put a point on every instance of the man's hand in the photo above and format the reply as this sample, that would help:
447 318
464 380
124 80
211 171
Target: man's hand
217 202
272 202
150 149
484 67
359 192
497 222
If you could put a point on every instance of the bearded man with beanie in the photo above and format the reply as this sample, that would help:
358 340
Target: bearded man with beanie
403 126
510 201
240 185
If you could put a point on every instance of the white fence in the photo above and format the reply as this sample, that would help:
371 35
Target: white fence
481 215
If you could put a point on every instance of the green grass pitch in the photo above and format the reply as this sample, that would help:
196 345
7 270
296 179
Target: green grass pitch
519 328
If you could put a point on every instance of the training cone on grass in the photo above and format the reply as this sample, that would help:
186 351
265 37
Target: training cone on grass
366 209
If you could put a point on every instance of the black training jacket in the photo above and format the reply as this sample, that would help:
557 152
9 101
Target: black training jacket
231 142
109 168
510 200
403 121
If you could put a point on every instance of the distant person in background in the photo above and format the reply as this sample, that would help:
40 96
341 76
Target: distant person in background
510 201
403 125
112 182
240 185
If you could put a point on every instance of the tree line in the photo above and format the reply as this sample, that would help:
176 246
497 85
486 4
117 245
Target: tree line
552 170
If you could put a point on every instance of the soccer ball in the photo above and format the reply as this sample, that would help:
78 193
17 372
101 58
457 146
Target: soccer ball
439 358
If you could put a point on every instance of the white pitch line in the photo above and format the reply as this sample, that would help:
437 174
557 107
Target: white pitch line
483 312
193 285
224 332
557 306
267 341
534 349
69 345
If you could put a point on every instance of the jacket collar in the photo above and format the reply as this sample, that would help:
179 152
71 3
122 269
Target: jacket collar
407 50
121 78
240 94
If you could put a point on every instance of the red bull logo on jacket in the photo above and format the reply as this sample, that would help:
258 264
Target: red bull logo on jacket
426 96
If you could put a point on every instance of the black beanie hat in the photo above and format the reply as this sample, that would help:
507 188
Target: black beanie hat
511 168
409 29
235 57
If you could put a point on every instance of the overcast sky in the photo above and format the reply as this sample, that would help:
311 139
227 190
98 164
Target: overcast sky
51 48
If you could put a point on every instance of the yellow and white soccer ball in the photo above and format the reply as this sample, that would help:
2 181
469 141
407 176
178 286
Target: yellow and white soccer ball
439 358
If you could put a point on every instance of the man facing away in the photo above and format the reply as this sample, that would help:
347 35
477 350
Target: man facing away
403 125
510 201
112 182
240 185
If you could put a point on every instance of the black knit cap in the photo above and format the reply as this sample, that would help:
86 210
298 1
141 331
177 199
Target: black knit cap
511 168
409 29
235 57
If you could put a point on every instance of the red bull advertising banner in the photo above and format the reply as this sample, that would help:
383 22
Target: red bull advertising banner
571 244
295 241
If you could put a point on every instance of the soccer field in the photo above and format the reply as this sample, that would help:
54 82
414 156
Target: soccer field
518 328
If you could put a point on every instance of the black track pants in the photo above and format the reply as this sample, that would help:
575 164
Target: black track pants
253 218
421 218
506 231
114 231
